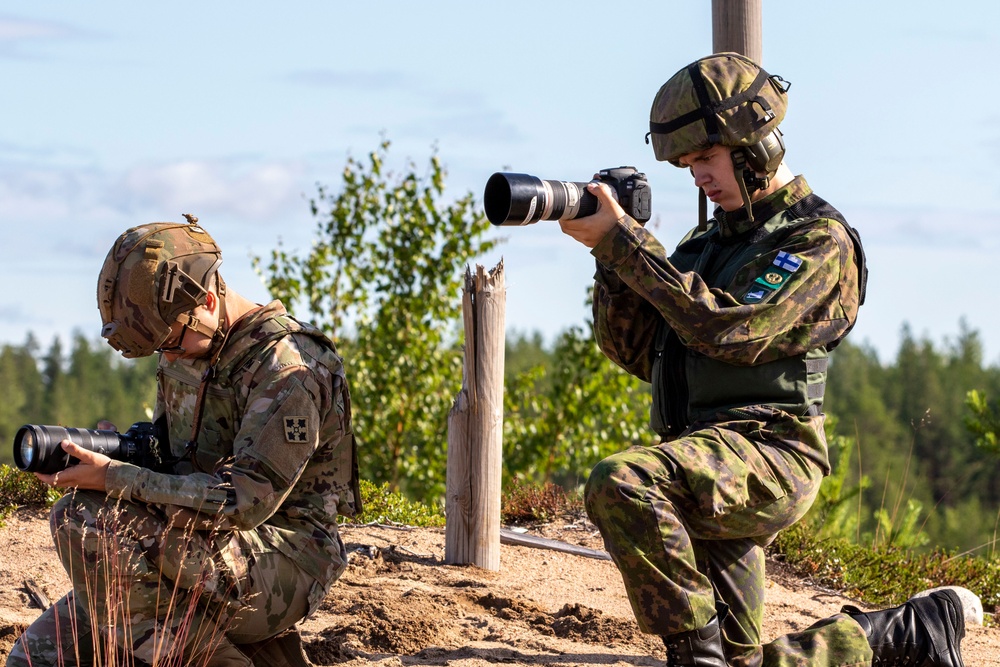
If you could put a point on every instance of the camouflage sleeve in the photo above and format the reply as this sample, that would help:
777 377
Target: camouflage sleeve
278 433
813 305
624 323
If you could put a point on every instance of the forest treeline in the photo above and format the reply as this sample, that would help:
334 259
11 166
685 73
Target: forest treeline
75 386
900 427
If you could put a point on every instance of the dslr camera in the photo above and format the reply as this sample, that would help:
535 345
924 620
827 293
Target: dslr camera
520 199
36 448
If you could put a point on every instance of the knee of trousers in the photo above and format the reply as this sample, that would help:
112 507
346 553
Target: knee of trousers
75 509
611 483
89 529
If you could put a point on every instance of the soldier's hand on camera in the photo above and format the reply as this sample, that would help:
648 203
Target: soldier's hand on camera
590 230
90 473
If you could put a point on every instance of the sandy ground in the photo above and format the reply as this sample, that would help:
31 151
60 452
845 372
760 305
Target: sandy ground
398 604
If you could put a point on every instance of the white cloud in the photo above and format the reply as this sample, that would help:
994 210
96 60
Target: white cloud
254 191
16 33
14 29
247 189
973 231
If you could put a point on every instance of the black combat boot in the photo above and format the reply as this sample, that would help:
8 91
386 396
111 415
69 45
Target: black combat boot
923 632
282 650
696 648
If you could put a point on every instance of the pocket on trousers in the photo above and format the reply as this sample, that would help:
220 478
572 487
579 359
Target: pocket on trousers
317 593
734 475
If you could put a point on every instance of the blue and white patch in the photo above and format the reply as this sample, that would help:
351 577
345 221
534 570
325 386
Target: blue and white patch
773 278
788 262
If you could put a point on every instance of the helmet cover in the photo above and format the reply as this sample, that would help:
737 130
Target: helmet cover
152 275
725 98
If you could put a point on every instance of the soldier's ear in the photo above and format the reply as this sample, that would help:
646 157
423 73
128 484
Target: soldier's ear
211 301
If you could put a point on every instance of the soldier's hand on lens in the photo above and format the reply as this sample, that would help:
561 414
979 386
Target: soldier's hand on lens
90 473
590 230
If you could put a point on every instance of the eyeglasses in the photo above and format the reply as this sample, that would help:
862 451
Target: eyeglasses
177 347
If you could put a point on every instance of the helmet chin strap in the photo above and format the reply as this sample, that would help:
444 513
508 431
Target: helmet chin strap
194 324
702 210
219 335
747 179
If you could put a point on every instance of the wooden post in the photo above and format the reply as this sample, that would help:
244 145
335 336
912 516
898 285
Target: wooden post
475 427
736 26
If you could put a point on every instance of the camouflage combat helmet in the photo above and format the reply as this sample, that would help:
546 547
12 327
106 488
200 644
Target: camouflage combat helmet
726 99
155 275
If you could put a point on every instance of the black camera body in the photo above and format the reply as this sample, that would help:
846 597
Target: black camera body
36 448
631 189
520 199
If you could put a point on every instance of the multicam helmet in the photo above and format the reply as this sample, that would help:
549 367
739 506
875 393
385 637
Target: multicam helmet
153 276
725 99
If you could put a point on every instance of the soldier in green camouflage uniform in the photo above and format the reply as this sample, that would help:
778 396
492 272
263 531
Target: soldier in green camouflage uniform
215 557
733 330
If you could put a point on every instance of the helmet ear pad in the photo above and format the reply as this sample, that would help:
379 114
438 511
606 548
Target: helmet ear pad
764 157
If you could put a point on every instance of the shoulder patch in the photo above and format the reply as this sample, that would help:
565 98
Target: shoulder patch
787 262
773 277
296 429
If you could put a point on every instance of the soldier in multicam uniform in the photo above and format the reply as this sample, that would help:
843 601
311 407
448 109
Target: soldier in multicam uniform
215 558
733 330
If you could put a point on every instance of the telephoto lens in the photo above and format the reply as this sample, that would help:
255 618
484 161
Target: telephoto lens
36 448
520 199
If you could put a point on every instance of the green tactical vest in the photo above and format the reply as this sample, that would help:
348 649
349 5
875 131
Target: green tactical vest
689 387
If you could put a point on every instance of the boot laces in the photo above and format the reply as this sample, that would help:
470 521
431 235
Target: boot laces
673 657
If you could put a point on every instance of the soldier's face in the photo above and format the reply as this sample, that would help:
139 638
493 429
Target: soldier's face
712 169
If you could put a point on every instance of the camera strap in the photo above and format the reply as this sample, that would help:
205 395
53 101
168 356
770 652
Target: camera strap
219 344
702 210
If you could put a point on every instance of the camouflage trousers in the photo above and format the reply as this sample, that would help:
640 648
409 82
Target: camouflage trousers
151 589
686 521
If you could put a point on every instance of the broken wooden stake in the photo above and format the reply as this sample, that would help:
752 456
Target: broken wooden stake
475 427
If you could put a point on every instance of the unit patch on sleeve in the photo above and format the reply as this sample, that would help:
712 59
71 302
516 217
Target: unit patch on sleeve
296 429
776 275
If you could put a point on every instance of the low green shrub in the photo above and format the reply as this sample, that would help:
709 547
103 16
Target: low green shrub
885 575
19 489
526 502
380 504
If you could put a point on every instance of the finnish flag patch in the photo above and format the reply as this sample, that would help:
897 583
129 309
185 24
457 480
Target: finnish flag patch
789 263
773 277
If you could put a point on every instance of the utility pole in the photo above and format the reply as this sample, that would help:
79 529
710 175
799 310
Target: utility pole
736 26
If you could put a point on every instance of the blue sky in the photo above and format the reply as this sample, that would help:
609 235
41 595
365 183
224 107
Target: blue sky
119 113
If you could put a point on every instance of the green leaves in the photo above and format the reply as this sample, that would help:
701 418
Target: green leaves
383 278
983 421
563 415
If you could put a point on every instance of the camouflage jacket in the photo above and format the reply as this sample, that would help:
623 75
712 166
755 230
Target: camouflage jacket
275 451
739 295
